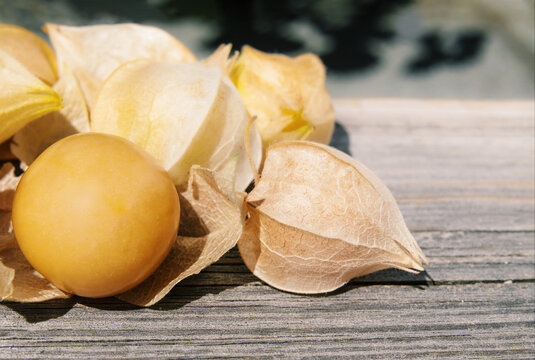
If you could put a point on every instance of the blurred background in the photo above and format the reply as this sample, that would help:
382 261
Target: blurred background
480 49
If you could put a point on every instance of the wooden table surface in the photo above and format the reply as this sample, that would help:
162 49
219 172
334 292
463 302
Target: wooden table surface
463 174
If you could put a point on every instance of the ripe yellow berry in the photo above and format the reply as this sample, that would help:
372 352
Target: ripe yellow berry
95 214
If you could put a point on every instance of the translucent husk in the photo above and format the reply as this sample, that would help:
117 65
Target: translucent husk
183 114
94 52
221 58
39 134
319 218
30 50
287 95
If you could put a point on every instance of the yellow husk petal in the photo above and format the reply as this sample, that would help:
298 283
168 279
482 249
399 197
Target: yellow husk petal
39 134
287 95
23 97
221 58
94 52
30 50
183 114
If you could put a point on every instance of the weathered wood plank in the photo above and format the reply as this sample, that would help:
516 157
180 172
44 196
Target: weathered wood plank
465 322
468 214
464 176
453 165
441 141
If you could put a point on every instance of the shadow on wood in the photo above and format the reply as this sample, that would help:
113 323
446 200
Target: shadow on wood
395 277
39 312
340 139
392 277
211 281
227 273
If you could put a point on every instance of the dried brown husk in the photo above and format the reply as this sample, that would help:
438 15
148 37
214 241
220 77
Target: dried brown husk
8 184
5 151
18 280
30 50
211 222
73 118
24 284
94 52
319 218
7 274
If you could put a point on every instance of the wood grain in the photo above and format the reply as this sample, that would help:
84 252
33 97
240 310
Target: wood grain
452 165
464 176
470 321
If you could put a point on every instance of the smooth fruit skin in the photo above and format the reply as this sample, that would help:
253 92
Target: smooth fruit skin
95 214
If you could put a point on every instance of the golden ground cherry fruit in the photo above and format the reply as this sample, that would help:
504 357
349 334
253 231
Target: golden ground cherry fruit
95 214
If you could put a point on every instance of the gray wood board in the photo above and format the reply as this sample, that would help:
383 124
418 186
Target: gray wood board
376 322
464 176
452 165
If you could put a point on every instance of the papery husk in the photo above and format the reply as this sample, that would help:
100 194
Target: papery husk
211 223
23 282
73 118
30 50
23 97
319 218
5 151
7 274
183 114
18 280
94 52
8 185
221 58
287 95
